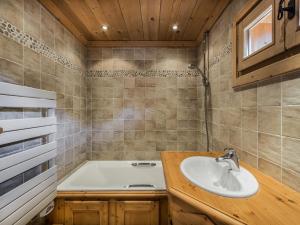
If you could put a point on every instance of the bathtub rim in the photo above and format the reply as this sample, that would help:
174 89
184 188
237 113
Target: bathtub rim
113 194
106 192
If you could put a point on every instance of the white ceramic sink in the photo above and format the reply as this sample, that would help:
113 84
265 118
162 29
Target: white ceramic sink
215 177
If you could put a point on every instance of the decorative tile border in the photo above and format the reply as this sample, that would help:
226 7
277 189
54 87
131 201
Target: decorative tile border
227 49
142 73
12 32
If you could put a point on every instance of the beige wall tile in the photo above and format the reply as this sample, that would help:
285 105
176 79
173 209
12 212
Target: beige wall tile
48 66
11 50
269 93
269 168
290 154
249 141
248 158
94 53
32 18
291 121
235 137
269 119
291 91
269 147
291 178
249 118
12 10
32 78
31 59
11 72
249 97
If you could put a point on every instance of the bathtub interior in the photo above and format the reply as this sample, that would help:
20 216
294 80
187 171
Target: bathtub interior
115 176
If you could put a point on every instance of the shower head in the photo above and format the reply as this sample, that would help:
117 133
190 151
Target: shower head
204 78
192 66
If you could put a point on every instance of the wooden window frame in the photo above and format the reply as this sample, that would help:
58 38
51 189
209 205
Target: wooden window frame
283 63
292 34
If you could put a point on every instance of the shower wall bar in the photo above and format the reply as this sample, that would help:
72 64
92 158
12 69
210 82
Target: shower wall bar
21 203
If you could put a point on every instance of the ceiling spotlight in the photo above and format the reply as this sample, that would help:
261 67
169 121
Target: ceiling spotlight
174 27
104 27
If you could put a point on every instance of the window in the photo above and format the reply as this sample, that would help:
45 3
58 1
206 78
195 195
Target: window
258 33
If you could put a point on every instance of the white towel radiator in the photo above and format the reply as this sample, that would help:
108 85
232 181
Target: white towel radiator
21 203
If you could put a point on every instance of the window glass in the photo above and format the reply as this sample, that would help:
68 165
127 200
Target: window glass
258 33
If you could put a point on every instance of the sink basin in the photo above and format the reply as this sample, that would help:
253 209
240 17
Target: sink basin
216 177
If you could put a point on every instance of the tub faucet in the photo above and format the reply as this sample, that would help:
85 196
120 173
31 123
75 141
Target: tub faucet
231 158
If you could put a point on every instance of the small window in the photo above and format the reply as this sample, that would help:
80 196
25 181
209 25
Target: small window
258 33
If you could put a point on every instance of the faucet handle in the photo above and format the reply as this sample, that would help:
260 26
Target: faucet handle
230 152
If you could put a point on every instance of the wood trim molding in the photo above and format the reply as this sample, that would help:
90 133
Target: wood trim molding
110 194
283 67
108 44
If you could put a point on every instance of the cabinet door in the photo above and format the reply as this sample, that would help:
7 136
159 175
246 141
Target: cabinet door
183 214
260 35
138 213
86 212
292 35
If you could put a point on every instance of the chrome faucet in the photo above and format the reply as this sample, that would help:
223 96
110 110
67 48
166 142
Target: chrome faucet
231 158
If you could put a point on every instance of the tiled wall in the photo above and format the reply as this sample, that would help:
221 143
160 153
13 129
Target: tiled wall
262 121
37 51
142 101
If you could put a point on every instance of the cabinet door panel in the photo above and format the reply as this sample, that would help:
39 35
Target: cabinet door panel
138 213
260 35
86 212
182 214
292 34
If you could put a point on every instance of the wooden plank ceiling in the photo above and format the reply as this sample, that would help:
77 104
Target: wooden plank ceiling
137 22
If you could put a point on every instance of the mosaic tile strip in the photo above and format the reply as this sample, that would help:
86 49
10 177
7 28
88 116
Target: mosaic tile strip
142 73
12 32
227 49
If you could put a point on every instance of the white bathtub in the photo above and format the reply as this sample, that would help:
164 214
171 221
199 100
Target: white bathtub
115 175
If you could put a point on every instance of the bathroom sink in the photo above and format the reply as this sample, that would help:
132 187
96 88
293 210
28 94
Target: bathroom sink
216 177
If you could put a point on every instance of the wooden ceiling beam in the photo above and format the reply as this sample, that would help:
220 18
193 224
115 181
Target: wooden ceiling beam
116 44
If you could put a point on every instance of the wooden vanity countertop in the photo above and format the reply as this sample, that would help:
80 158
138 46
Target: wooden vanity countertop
273 204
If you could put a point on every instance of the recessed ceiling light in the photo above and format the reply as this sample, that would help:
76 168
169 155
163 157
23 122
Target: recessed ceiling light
104 27
175 27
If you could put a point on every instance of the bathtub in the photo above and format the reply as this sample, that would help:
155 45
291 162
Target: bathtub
115 176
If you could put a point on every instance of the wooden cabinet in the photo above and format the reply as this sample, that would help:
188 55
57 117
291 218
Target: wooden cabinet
183 214
137 213
111 208
292 34
86 212
265 44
